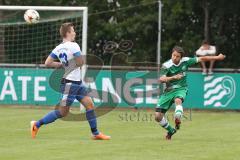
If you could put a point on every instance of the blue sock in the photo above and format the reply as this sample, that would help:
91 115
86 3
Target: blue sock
49 118
91 117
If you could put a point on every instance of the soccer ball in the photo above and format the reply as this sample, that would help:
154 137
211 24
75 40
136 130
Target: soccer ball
31 16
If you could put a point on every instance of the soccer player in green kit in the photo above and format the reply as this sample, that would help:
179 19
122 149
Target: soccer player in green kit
173 73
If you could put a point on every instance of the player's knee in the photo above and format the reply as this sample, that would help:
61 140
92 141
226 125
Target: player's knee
87 103
158 116
178 101
64 111
90 106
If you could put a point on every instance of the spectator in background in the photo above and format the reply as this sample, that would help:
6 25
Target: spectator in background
206 50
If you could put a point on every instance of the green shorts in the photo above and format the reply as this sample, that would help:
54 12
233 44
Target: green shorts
166 100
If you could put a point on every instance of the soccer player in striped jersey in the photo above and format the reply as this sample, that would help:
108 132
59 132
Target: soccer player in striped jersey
72 87
173 73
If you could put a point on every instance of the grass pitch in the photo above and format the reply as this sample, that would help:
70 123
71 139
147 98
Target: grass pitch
135 135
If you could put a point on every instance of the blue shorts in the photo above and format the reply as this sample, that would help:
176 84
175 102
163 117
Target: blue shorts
72 91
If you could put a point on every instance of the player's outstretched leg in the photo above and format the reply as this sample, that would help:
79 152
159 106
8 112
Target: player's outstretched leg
178 113
92 120
160 117
48 118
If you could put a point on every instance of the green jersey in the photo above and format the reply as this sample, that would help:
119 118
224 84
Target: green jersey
170 69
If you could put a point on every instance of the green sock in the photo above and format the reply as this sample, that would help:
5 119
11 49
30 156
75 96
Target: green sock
164 123
169 128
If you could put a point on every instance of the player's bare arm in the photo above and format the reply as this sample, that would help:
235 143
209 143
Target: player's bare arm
165 79
51 63
219 57
79 61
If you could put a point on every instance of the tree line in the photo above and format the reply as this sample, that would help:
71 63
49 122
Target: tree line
184 22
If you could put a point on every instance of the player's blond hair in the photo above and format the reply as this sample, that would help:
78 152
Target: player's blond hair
65 27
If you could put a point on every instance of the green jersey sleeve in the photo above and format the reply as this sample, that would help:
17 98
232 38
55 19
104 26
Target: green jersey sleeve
192 61
163 71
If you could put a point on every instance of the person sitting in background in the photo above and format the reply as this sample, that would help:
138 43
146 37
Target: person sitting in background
206 50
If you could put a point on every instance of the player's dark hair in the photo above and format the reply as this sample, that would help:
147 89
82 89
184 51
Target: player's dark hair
179 50
205 42
65 27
